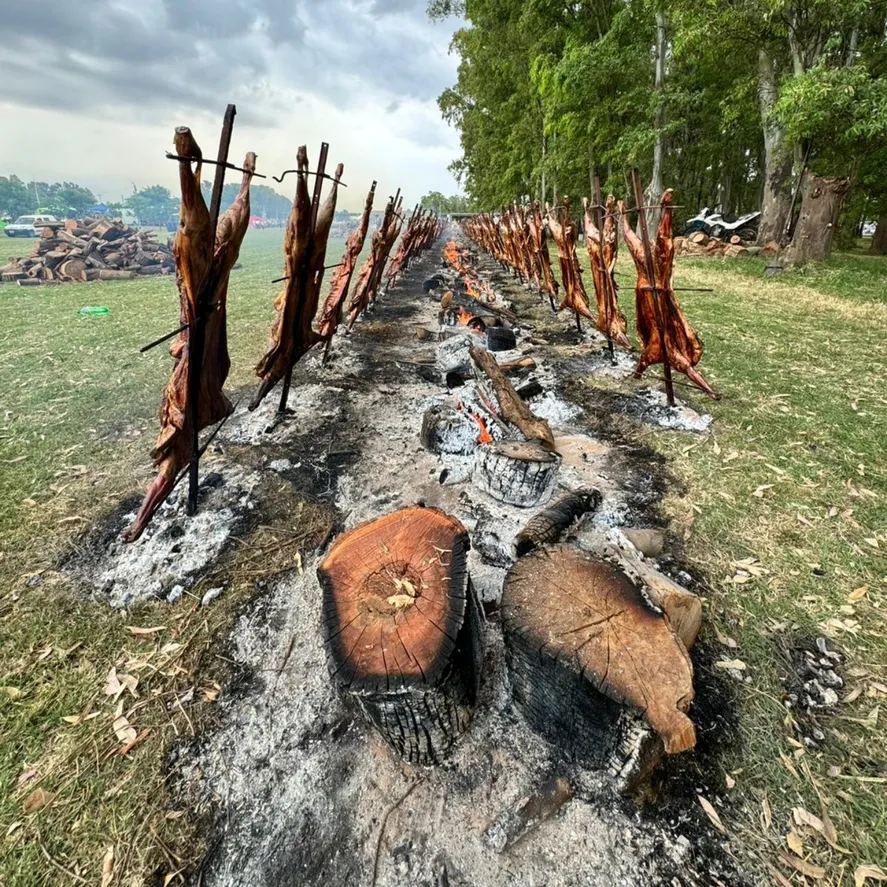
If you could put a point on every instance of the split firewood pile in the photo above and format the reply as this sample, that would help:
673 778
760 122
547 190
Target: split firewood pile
701 244
90 249
516 239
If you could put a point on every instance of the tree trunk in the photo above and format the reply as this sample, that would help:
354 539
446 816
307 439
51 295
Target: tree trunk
777 156
402 628
657 187
879 241
821 202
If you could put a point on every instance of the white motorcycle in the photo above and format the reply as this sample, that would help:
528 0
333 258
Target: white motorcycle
715 225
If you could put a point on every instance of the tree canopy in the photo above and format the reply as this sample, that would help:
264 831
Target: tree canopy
550 92
62 199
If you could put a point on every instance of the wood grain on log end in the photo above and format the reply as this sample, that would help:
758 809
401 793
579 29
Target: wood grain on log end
522 473
402 628
585 650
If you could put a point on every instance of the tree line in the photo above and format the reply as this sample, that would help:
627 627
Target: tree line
153 205
723 101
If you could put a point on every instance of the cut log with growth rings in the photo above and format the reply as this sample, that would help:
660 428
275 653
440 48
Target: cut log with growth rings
522 473
402 628
587 655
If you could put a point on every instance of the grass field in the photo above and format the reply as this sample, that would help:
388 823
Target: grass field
784 514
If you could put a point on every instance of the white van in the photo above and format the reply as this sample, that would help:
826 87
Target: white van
28 226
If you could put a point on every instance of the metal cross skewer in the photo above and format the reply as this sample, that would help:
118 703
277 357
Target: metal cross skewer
234 166
197 340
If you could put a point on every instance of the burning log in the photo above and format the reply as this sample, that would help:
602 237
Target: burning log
331 316
204 260
565 235
657 305
602 247
513 408
402 628
522 473
304 249
588 655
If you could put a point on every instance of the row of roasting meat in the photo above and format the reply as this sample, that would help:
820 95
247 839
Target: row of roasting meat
517 239
204 259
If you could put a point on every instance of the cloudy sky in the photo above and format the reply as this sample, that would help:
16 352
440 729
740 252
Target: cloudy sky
91 90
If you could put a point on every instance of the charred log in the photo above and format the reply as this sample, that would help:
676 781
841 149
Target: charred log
522 473
551 524
589 658
402 628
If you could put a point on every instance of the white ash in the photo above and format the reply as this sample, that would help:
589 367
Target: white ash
454 353
280 465
309 405
210 595
558 412
680 417
174 548
298 786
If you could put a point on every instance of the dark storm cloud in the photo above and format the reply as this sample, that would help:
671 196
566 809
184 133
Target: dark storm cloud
127 57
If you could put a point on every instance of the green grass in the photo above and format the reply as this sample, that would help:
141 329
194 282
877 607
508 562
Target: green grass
795 476
79 417
802 423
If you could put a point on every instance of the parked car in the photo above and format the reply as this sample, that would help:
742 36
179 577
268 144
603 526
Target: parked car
28 226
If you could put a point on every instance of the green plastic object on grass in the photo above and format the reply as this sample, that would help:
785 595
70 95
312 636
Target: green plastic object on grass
94 309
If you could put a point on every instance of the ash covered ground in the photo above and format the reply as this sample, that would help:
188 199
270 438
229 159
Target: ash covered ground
298 788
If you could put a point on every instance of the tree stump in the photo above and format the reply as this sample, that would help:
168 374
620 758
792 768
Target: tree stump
521 473
821 201
402 628
591 661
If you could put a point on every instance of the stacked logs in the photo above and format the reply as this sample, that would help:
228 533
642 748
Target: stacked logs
699 244
90 249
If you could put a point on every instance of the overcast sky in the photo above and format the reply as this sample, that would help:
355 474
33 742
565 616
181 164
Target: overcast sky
91 90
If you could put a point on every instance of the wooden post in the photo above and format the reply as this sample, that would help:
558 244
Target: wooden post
197 337
651 274
303 270
597 207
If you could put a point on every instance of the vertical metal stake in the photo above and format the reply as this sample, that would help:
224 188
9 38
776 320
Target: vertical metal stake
197 335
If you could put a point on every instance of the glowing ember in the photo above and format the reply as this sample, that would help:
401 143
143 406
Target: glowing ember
464 317
485 436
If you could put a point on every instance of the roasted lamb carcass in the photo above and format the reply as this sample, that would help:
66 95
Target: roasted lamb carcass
204 260
565 235
536 227
331 316
682 347
371 272
602 247
292 335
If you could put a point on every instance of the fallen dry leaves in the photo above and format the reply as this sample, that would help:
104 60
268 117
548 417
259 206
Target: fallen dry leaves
817 872
712 814
864 872
37 800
